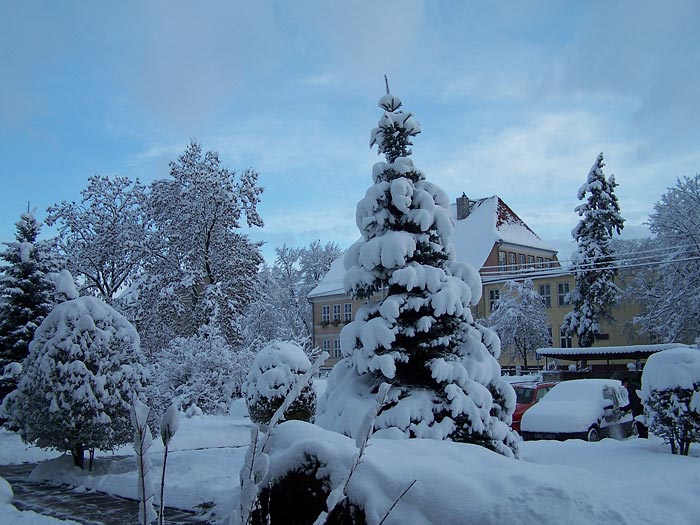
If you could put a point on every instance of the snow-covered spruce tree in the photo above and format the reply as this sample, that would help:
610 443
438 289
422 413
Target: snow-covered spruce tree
272 376
25 291
84 367
520 320
420 337
671 397
595 291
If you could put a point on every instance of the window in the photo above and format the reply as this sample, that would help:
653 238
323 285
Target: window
563 290
325 313
603 337
336 312
494 295
336 349
549 333
564 339
540 393
502 261
521 261
347 312
531 261
548 262
540 262
546 293
326 345
511 261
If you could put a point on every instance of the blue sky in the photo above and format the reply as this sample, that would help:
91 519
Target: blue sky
515 99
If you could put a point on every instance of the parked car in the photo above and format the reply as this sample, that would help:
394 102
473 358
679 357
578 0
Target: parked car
587 409
527 394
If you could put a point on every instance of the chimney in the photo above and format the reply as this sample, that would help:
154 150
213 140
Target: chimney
463 207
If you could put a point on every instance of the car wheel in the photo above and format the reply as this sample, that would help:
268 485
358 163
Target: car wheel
593 434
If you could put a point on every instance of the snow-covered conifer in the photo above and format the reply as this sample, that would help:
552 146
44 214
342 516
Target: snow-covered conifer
595 291
416 331
274 372
25 291
83 369
520 320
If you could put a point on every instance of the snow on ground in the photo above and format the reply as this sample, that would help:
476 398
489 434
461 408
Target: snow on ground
623 482
13 450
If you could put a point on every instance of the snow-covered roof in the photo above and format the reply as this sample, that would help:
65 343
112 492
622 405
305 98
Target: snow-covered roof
332 282
490 221
606 351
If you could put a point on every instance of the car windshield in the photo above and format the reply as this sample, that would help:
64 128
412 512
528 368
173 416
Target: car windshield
524 395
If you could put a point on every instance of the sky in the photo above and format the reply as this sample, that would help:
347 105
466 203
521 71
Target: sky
514 98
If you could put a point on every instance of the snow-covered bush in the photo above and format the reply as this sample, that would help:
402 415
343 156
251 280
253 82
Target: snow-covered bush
202 371
84 366
671 396
420 337
274 371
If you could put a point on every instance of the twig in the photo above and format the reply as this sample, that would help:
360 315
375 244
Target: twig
396 501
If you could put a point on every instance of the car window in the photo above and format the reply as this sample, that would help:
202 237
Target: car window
524 395
540 393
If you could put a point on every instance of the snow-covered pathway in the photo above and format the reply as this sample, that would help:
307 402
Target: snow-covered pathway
89 508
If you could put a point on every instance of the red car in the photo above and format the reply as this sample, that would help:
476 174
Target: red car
527 394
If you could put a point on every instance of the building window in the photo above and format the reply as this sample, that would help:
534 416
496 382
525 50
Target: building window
548 262
540 262
563 290
603 337
511 261
564 339
347 312
502 261
336 349
531 261
336 312
494 295
521 261
326 345
549 333
546 293
325 313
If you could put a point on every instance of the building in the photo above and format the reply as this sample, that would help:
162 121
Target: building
489 236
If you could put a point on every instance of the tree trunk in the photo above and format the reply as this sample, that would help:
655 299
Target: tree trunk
78 454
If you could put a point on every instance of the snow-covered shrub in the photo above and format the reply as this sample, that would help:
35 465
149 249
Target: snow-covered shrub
274 371
202 370
420 337
84 366
671 396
